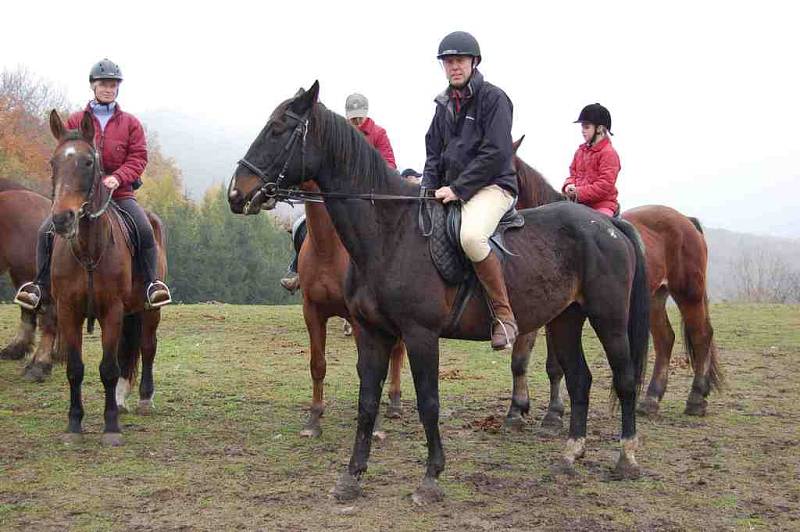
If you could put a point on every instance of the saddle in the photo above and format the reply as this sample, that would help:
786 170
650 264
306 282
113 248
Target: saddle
443 231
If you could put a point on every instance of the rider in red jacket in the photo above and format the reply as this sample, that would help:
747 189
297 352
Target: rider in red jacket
594 169
357 109
120 140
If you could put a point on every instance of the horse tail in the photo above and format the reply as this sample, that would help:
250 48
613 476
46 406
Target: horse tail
130 346
639 308
696 223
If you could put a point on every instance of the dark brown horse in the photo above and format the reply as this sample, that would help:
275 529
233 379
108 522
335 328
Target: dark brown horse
22 211
93 275
570 264
676 266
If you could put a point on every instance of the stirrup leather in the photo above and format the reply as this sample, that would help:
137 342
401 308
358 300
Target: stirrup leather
35 293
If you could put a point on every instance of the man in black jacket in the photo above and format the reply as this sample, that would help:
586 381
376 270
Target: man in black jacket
469 152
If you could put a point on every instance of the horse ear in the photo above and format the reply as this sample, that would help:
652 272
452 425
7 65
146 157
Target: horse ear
305 101
56 125
87 128
300 91
517 143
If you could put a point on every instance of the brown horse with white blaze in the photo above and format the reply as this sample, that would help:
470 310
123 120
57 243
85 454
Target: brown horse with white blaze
22 212
93 275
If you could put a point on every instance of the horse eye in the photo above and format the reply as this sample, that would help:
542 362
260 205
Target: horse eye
89 163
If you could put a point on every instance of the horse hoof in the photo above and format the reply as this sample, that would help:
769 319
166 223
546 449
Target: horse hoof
565 467
36 372
122 408
514 422
428 492
347 488
626 470
696 409
552 422
379 435
111 439
72 438
394 412
145 407
311 430
13 352
648 407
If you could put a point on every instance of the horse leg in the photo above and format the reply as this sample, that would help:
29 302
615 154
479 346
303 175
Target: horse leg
698 338
21 345
41 363
663 341
564 340
553 419
373 362
70 339
613 335
111 325
150 322
394 410
128 357
317 333
520 398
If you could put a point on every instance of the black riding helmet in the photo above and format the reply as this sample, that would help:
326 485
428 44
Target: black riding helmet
105 69
595 114
459 43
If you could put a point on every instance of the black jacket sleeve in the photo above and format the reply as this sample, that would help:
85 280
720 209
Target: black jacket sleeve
494 151
434 141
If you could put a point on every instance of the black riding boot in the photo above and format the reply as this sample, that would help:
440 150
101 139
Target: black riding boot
31 294
291 281
157 292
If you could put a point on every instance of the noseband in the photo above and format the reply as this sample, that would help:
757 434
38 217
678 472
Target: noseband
270 187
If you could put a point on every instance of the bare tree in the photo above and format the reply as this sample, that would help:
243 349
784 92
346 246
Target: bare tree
763 275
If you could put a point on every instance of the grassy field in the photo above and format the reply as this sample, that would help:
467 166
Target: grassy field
222 450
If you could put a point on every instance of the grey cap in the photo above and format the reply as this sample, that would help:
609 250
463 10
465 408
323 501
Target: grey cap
356 106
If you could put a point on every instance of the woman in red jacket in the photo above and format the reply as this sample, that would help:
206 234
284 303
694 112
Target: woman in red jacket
594 169
120 139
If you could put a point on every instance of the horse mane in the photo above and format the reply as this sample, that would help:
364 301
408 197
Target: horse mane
349 152
534 190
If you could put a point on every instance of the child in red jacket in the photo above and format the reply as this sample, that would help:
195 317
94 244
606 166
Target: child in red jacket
594 169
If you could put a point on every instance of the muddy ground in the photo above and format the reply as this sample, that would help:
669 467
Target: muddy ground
223 451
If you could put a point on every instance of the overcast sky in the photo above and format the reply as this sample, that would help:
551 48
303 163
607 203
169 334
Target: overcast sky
704 95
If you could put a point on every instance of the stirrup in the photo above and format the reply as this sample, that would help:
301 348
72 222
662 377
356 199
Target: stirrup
159 285
35 294
506 327
291 283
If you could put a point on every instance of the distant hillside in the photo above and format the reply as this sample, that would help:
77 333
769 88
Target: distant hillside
205 152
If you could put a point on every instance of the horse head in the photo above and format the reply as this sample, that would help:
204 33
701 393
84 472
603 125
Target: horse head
76 172
282 156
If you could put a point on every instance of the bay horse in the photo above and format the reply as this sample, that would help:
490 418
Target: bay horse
323 265
22 212
677 259
93 275
570 264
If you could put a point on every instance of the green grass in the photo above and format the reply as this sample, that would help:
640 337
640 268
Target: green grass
232 390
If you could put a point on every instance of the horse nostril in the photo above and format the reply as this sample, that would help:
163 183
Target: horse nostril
233 194
63 219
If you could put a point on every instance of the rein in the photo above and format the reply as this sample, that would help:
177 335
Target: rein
90 265
271 188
